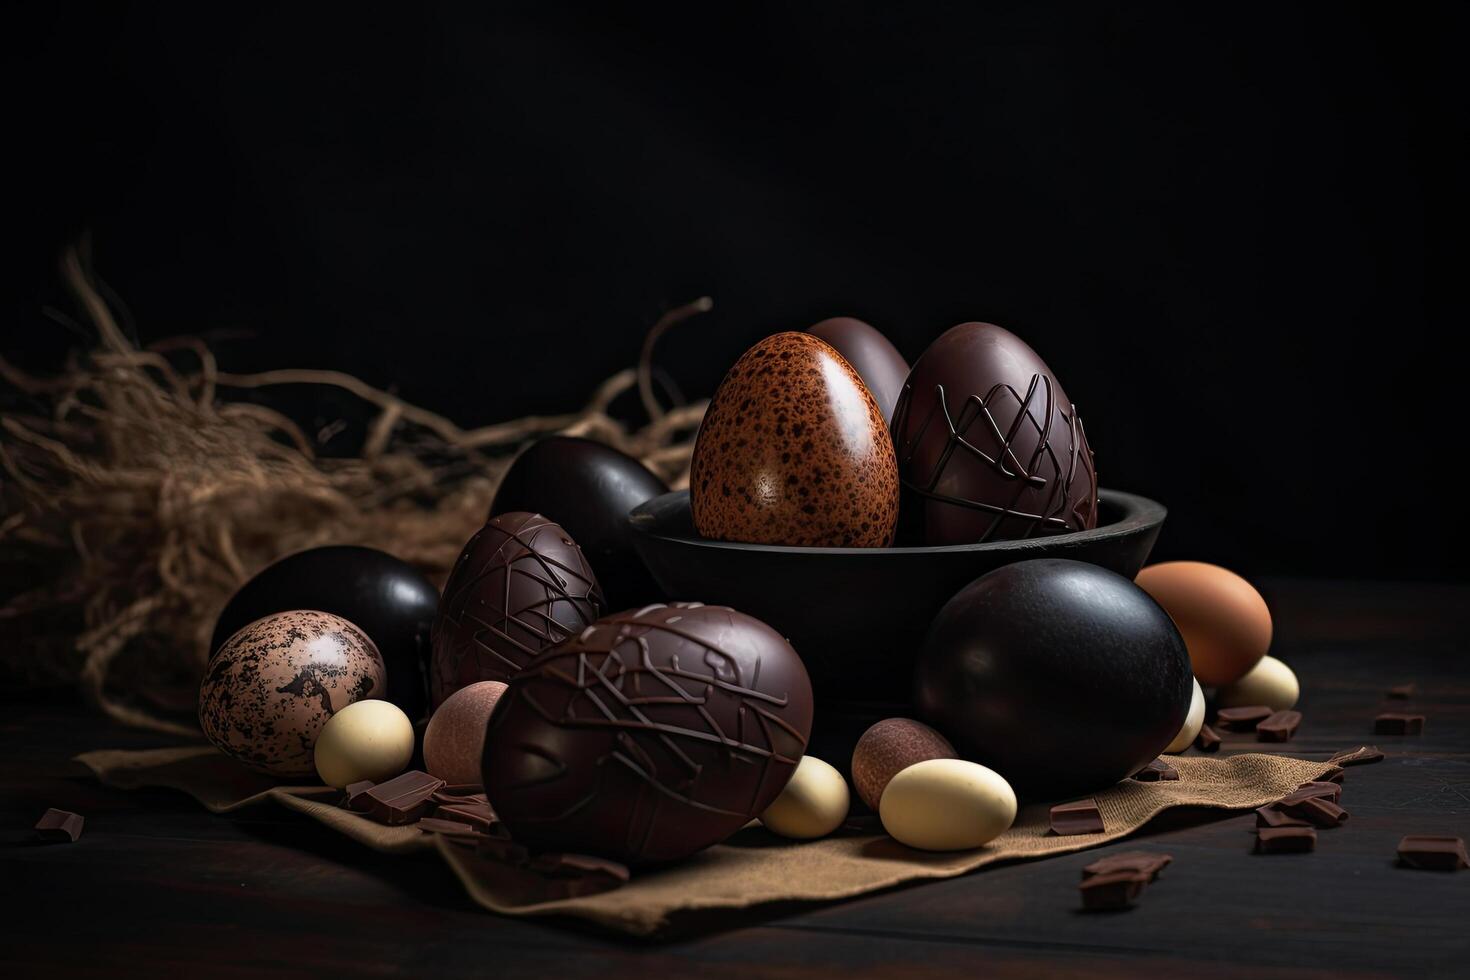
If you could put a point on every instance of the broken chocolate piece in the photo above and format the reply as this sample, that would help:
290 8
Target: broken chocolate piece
1280 727
1243 719
357 795
1113 890
1156 771
1140 862
57 826
1395 723
1077 817
577 865
1207 740
1271 815
1400 692
1285 840
1315 810
449 828
478 815
1433 853
1363 755
1313 790
402 799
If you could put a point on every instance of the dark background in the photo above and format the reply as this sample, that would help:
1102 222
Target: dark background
1229 230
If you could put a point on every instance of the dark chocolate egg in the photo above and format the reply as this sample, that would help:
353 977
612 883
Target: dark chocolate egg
651 735
1061 676
871 355
588 488
520 585
989 446
794 451
273 684
388 599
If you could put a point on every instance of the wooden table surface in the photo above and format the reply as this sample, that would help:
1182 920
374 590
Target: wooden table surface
158 887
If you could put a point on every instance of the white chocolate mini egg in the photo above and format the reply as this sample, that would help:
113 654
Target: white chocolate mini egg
947 805
1192 721
813 804
1269 682
365 740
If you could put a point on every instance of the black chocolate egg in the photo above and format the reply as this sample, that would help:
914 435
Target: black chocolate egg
520 585
989 446
651 735
588 488
1061 676
871 355
388 599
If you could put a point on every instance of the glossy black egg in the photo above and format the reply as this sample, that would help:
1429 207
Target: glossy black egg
588 488
385 597
1061 676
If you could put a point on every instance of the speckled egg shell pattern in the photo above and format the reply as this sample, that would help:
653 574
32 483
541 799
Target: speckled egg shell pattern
275 683
795 451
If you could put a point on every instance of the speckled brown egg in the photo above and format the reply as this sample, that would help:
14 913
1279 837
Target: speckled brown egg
794 451
888 748
273 685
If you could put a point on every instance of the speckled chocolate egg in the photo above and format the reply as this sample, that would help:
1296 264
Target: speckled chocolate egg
520 585
871 355
888 748
989 446
272 686
794 451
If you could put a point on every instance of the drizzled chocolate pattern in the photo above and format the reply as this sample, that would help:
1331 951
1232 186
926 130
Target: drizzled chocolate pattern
650 735
520 585
273 685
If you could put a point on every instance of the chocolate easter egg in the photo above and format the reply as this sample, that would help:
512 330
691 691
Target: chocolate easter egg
520 585
871 355
650 735
588 488
989 446
273 684
455 738
388 599
794 451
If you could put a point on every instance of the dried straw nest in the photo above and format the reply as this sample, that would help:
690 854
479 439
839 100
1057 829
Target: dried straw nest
135 499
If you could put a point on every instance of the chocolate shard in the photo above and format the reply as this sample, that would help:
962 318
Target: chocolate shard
1280 727
1429 852
1363 755
402 799
1400 692
448 828
1311 791
1139 862
578 865
1156 771
356 795
1113 890
1396 723
59 826
1077 817
1285 840
1243 719
480 816
1316 810
448 796
1272 815
1207 740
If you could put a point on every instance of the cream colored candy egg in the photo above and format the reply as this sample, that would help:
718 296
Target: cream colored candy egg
365 740
813 804
1192 721
1269 682
947 805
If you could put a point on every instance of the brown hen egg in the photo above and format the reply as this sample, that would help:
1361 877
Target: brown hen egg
794 451
1224 621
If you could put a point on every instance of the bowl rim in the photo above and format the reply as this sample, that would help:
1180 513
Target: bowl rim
1139 514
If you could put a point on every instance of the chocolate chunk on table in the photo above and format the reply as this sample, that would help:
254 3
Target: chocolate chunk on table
1140 862
1396 723
1113 890
1243 719
1280 727
478 815
1314 790
357 798
461 793
1285 840
449 828
1207 740
1272 815
1156 771
1427 852
402 799
1363 755
1317 811
1077 817
59 826
1400 692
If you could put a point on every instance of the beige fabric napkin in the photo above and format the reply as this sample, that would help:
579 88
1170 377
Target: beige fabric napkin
752 868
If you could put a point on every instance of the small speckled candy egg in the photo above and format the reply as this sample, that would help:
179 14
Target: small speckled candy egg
1269 682
273 685
455 738
367 740
1224 621
947 805
813 804
888 748
1192 721
794 451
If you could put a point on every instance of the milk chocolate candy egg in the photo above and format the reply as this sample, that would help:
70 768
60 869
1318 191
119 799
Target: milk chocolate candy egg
650 735
1063 676
888 748
520 585
871 355
388 599
588 488
989 446
1224 621
272 686
455 738
794 451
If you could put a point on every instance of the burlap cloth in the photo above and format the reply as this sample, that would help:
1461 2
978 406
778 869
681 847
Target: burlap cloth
752 868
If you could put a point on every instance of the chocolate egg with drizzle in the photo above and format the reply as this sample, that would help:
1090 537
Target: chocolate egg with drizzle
989 446
650 735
